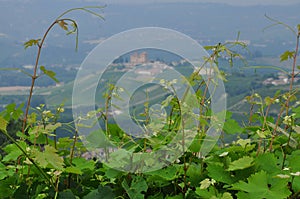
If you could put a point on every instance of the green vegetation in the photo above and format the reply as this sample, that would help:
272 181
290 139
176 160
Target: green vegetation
263 161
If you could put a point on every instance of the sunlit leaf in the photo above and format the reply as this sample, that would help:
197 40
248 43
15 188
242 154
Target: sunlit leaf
49 158
243 142
227 195
13 152
204 184
32 42
74 170
49 73
242 163
287 55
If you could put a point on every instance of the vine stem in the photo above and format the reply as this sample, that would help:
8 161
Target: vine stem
293 73
290 91
35 76
72 155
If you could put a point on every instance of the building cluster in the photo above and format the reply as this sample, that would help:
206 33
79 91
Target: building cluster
137 58
281 79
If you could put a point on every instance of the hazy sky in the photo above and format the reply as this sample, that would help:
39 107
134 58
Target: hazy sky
235 2
231 2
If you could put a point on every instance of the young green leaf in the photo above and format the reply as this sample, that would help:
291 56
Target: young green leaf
287 55
74 170
204 184
32 42
227 195
242 163
49 73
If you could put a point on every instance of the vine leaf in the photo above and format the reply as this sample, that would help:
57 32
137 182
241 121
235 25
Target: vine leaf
103 192
205 183
242 163
74 170
168 173
205 193
49 73
49 158
13 152
294 161
268 163
32 42
63 25
138 185
287 55
84 164
3 124
231 126
217 172
258 185
4 172
227 195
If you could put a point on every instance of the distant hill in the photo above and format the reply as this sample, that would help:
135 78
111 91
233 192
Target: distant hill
208 23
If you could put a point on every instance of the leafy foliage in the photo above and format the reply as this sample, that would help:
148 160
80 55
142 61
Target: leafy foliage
259 185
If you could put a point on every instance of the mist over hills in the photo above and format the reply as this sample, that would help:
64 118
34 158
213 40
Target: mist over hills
208 23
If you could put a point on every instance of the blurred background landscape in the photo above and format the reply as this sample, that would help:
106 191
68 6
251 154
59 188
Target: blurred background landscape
209 23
